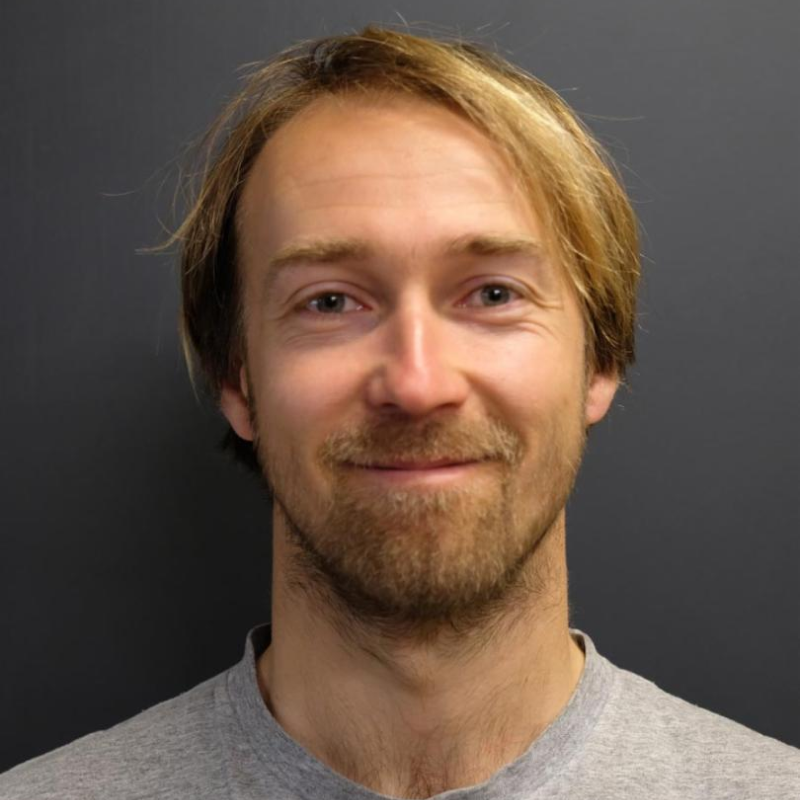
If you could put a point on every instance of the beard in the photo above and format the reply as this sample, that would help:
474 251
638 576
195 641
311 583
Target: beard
410 561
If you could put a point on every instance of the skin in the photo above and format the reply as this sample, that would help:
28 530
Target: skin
420 620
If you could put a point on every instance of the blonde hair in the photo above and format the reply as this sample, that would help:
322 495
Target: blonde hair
591 227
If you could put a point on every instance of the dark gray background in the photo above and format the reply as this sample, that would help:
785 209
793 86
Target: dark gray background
135 557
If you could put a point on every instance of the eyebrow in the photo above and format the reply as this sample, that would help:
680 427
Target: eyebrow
335 251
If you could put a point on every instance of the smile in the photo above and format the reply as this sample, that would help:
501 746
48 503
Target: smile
415 472
418 465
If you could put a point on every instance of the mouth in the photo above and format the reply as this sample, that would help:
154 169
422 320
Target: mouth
439 473
414 465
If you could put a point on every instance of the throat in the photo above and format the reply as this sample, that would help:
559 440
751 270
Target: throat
406 745
412 766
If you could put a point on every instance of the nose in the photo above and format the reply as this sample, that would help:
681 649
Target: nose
417 363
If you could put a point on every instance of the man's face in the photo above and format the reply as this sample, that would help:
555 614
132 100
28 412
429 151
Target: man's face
400 310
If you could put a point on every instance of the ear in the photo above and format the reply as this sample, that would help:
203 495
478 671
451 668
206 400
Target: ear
600 393
235 405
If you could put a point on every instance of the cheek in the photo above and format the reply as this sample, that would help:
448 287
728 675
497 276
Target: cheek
303 396
536 374
543 399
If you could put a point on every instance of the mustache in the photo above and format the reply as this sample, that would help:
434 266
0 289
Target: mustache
433 440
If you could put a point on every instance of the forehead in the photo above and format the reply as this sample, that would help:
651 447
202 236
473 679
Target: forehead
399 172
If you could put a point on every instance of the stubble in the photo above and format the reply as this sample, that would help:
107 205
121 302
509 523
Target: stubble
408 563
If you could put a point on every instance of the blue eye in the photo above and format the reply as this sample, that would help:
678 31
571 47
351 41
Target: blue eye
325 306
332 304
495 293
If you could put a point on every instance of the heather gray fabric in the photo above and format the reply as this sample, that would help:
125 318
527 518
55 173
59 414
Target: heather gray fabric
619 737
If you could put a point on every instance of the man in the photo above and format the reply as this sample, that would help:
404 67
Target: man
409 279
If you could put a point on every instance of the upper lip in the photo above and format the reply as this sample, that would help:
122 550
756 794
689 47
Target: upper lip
443 462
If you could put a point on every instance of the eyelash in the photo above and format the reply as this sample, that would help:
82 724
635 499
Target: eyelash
303 307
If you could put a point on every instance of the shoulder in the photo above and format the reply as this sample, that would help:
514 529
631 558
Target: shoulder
161 752
696 751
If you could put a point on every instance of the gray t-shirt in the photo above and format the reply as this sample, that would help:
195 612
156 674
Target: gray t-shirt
619 737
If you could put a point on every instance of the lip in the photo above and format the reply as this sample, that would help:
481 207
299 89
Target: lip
430 473
419 465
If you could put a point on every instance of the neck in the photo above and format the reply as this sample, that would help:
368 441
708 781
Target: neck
413 717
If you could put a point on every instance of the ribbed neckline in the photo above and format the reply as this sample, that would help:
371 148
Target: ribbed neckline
290 765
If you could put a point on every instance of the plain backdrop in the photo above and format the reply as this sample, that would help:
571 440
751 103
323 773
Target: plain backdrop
135 556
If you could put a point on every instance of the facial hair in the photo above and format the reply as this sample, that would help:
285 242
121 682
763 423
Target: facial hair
408 562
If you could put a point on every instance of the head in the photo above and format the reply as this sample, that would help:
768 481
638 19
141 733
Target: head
482 263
